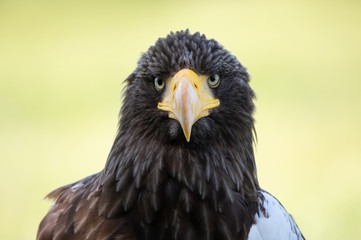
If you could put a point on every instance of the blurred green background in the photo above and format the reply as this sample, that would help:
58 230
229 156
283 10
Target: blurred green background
62 64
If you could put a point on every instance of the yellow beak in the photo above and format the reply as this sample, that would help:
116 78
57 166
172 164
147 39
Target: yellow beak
187 98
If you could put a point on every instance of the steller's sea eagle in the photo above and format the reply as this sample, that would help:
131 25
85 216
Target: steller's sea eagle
182 164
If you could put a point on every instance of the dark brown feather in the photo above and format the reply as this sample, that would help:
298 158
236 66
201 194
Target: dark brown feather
74 216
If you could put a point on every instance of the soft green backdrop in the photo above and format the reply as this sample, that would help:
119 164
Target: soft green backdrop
62 64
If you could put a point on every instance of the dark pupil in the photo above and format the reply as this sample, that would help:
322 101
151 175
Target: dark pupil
160 82
213 78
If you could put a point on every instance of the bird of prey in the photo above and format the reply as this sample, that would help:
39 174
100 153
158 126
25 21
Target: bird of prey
182 164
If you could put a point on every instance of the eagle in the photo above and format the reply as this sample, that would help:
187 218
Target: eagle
182 164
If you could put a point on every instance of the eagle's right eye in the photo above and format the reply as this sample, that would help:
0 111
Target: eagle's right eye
213 81
159 84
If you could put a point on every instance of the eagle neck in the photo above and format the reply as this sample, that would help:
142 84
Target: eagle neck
161 185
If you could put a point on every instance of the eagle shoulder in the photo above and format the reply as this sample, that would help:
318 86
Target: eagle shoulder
272 221
74 214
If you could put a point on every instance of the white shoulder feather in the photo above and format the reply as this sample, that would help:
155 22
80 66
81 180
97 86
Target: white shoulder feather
272 221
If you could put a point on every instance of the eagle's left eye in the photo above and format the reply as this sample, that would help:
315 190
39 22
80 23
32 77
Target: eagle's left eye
213 80
159 84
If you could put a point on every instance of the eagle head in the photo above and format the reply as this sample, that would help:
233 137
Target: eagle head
191 91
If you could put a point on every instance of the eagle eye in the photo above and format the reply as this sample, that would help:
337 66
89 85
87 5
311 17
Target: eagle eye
159 84
213 80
